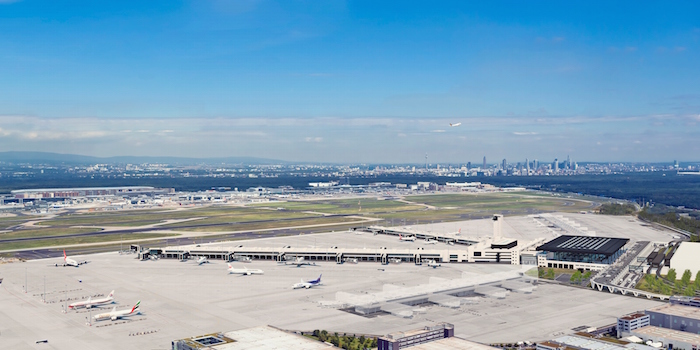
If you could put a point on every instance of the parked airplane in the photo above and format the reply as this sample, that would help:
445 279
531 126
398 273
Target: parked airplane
70 262
308 284
90 303
202 260
434 264
115 315
430 241
299 261
455 124
244 271
243 258
407 238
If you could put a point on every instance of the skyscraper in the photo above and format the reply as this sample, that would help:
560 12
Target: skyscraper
527 165
484 166
503 164
555 166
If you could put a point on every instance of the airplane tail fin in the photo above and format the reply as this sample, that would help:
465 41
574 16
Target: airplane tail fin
229 266
111 294
135 306
64 255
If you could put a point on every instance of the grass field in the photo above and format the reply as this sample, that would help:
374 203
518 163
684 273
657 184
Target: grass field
44 232
271 224
364 206
58 242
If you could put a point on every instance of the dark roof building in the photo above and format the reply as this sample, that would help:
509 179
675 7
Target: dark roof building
585 249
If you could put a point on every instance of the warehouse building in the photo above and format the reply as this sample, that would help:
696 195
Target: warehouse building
676 317
402 340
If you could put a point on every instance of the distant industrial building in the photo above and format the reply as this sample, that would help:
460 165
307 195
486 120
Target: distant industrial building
580 252
87 191
252 338
402 340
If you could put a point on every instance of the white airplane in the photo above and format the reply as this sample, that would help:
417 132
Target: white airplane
115 315
434 264
351 260
202 260
308 284
455 124
243 258
299 262
395 260
90 303
430 241
407 238
70 262
244 271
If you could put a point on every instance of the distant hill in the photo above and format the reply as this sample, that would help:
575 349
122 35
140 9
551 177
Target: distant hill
58 158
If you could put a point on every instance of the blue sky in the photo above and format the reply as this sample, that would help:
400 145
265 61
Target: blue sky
356 81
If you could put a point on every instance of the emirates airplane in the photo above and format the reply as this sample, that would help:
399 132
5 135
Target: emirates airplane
115 315
90 302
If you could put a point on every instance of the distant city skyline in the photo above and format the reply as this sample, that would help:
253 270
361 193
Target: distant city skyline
352 82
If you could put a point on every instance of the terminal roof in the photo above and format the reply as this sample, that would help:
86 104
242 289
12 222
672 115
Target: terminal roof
584 244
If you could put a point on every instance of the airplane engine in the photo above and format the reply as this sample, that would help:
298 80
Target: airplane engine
114 318
307 287
88 306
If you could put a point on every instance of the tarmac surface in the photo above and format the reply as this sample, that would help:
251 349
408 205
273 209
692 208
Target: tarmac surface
183 299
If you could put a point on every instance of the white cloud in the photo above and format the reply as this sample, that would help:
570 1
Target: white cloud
524 133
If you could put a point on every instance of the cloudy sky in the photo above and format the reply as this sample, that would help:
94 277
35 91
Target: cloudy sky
352 81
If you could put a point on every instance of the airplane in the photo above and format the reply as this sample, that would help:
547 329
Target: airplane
395 260
243 258
202 260
244 271
351 260
115 315
430 241
70 262
455 124
308 284
434 264
90 303
407 238
299 262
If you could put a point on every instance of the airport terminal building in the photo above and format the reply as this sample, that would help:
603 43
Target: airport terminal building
580 252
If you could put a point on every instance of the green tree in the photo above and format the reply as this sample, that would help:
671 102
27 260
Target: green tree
689 291
576 277
550 274
686 277
671 276
697 280
587 275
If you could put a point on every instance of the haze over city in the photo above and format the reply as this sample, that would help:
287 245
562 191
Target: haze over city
338 81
